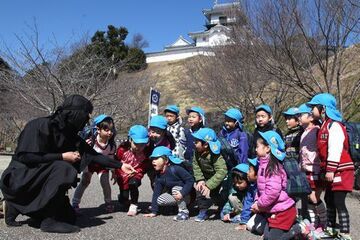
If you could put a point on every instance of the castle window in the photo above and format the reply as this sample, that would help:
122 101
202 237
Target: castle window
223 20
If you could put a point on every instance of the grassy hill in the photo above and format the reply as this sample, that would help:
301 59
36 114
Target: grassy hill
168 78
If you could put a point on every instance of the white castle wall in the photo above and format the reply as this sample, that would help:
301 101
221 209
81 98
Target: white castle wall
173 55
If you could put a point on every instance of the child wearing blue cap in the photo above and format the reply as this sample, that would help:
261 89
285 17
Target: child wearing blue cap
310 164
174 127
196 120
174 180
233 132
263 122
293 135
159 136
103 142
272 203
335 161
238 207
133 152
253 169
209 171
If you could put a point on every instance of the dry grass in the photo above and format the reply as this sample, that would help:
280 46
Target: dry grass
169 78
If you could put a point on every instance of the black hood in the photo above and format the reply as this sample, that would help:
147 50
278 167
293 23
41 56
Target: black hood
73 114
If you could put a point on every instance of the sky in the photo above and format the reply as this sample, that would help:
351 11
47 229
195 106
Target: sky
160 22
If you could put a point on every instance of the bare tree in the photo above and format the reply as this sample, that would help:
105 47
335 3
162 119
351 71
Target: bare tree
227 77
39 80
304 45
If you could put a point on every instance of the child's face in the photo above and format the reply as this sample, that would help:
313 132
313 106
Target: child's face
155 134
305 119
229 123
262 118
137 147
291 122
171 117
107 133
159 163
194 119
261 149
251 175
240 184
200 146
316 113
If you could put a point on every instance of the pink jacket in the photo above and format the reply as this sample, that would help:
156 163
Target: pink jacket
271 196
309 156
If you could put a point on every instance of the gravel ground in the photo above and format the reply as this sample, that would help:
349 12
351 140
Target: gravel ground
96 224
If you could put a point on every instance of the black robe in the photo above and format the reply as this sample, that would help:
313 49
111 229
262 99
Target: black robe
37 173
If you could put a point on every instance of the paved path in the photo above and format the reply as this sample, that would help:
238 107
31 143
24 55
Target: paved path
95 224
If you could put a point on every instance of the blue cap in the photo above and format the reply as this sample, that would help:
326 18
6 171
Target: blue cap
276 144
158 122
329 102
304 108
234 114
198 110
333 114
164 151
293 111
253 162
264 107
139 134
242 167
172 108
100 118
325 99
208 135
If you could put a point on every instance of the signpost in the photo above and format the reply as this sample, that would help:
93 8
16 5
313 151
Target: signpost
153 103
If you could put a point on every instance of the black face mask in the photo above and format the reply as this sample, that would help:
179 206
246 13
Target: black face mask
74 113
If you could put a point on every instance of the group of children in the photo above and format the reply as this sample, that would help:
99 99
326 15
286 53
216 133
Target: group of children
187 167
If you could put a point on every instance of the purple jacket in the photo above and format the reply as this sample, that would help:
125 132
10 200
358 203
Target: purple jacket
271 195
238 140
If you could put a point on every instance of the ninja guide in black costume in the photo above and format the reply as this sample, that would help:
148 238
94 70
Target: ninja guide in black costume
48 157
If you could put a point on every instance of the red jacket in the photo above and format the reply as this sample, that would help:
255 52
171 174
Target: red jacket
344 167
139 162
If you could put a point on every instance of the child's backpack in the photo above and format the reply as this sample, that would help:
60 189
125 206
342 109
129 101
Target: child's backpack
89 134
228 153
297 184
88 131
353 131
250 138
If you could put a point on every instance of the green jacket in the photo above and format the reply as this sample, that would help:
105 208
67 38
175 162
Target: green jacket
211 169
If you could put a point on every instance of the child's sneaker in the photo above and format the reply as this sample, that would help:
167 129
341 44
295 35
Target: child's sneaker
344 236
181 216
330 232
109 208
133 209
202 216
307 229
